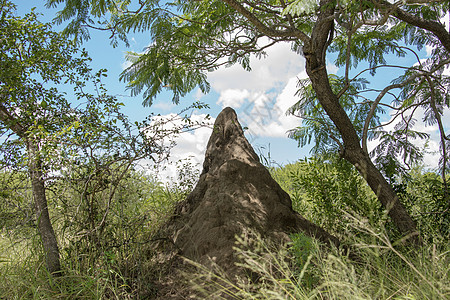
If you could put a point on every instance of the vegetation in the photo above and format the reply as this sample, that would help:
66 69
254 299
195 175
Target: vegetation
324 188
191 38
75 145
304 270
78 220
119 261
112 262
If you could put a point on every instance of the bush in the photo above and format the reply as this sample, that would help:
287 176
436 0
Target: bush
324 188
106 244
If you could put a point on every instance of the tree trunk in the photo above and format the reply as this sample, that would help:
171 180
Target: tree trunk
354 153
383 190
314 52
45 227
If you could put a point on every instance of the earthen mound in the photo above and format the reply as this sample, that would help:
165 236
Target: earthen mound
234 195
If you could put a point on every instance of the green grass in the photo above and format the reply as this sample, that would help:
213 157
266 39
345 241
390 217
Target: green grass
119 267
304 269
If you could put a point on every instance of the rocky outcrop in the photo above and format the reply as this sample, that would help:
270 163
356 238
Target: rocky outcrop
235 194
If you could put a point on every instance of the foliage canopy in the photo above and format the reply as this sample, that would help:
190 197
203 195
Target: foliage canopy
191 38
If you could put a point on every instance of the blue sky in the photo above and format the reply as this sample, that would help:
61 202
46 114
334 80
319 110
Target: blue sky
260 97
228 88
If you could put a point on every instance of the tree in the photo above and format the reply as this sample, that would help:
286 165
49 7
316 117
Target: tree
31 57
54 135
191 38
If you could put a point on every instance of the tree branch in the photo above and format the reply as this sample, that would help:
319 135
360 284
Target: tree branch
11 122
435 27
442 134
388 88
271 32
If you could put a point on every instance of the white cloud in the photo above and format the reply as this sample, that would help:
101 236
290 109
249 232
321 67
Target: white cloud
444 20
431 145
446 71
125 64
273 71
233 98
264 94
432 155
266 113
429 49
164 105
198 95
332 68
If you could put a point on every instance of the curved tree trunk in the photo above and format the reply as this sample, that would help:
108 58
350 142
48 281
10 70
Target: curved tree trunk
314 51
45 227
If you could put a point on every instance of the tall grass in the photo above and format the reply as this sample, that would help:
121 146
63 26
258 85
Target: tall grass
119 266
123 265
304 269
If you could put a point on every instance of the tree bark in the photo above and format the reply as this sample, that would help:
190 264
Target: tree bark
45 227
384 192
314 52
44 224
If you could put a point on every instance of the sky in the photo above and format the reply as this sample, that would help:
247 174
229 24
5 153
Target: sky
260 97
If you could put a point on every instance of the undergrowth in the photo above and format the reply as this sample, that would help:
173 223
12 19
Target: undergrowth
119 261
115 263
304 269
